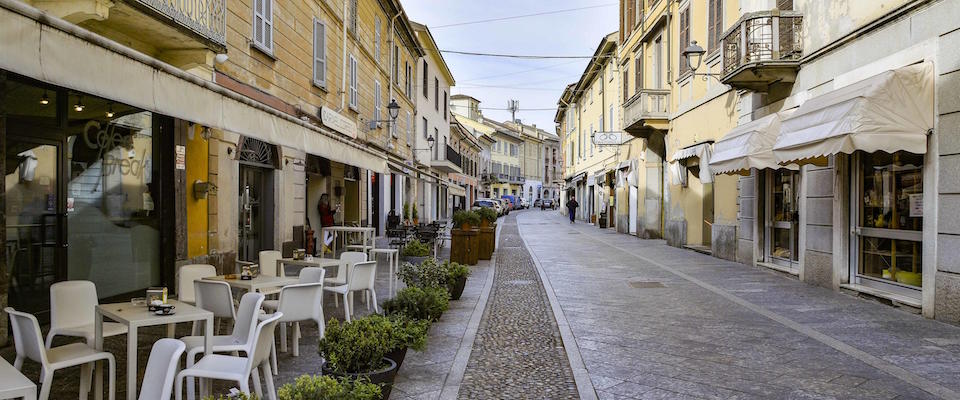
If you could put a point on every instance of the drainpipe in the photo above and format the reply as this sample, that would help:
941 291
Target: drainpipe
343 69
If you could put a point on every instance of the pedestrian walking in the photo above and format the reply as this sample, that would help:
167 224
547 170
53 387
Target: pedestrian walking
572 208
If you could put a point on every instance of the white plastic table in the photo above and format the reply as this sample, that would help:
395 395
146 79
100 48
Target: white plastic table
135 317
394 263
369 235
315 262
256 284
13 385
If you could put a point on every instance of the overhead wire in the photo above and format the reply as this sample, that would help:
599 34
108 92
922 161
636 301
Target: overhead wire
522 16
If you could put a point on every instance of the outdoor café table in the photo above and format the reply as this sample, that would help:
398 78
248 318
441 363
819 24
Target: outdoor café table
13 385
139 316
315 262
256 284
368 234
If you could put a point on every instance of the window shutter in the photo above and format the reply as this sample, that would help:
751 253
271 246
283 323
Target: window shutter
638 70
268 24
354 92
426 80
376 101
785 5
319 53
436 94
684 37
258 21
376 40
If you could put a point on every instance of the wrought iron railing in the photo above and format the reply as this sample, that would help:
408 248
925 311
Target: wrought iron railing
763 36
453 156
207 18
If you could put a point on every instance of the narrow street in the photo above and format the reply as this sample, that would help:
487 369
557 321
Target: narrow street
652 321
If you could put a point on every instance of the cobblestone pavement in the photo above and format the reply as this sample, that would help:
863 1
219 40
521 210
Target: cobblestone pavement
657 322
518 353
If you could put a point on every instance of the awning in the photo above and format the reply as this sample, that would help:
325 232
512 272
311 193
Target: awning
703 152
749 146
889 112
103 68
456 190
577 178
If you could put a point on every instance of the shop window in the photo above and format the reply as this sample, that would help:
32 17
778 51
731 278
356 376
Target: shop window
890 222
783 216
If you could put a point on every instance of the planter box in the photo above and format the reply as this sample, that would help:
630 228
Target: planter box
487 242
456 289
464 246
384 377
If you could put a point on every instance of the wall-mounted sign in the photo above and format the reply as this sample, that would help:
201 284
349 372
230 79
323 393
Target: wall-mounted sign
608 138
338 122
181 159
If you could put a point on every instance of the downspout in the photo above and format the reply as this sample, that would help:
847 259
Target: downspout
343 59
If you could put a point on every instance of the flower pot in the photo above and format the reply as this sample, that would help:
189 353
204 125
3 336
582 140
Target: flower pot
487 241
461 245
473 254
383 377
397 356
456 288
415 260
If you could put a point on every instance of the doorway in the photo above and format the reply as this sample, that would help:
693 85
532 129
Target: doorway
782 218
256 211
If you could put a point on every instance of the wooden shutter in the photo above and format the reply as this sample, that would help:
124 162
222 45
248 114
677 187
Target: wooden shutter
785 5
626 82
268 24
319 53
631 11
684 37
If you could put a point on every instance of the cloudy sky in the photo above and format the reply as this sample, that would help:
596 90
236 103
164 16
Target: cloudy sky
537 84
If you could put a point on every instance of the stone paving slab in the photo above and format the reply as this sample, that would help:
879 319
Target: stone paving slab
653 321
518 352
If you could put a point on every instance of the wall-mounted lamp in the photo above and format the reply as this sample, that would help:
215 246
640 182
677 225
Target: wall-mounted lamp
694 55
201 189
393 111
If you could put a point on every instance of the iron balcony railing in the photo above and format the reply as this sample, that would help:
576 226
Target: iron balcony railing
773 35
207 18
453 156
647 104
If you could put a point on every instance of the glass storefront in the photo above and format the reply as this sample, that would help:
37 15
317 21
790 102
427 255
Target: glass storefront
783 217
80 184
889 218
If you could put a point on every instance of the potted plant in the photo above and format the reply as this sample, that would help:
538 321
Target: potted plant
410 334
357 350
406 213
488 232
429 273
415 251
419 303
463 238
413 214
329 388
456 278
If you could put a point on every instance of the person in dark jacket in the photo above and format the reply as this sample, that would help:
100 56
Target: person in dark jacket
572 208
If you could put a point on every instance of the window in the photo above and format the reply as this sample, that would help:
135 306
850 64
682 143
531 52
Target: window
626 82
612 126
353 17
377 101
638 70
513 149
426 80
600 122
354 93
785 5
714 25
436 94
684 38
319 53
426 131
436 146
591 140
263 25
376 40
446 113
409 127
638 11
409 80
396 65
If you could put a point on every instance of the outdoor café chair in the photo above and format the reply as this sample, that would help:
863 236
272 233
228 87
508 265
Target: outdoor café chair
307 275
238 369
347 259
360 277
73 312
300 302
29 345
161 370
188 274
240 339
216 297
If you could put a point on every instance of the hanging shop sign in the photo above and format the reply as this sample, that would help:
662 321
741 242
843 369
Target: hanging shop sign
608 138
338 122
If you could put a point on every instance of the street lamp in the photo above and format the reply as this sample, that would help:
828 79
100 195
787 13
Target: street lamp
393 111
431 141
694 55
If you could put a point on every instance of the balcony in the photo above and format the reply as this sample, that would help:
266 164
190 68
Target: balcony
647 111
763 49
448 161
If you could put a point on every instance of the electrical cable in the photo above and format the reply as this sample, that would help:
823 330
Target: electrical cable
522 16
523 56
518 72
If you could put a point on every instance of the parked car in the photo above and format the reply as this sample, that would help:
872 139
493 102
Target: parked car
524 203
482 203
537 202
512 203
498 206
548 203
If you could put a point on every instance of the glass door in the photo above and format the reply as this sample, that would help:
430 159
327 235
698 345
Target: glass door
782 215
255 205
35 241
888 222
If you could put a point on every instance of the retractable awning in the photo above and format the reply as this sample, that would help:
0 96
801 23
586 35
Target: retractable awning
702 151
749 146
889 112
456 190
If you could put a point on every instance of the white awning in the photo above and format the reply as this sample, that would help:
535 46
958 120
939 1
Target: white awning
749 146
456 190
702 151
98 66
889 112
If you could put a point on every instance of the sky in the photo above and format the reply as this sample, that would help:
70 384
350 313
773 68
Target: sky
536 84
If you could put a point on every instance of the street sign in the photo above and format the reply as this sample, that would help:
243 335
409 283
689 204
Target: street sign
608 138
338 122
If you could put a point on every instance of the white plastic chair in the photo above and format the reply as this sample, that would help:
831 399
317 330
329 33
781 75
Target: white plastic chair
216 297
347 259
161 370
73 312
238 369
307 275
241 339
360 277
300 302
268 266
188 274
29 345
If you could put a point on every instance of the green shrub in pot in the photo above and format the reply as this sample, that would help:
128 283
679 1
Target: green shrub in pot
456 278
328 388
487 214
415 248
419 303
357 346
429 273
465 219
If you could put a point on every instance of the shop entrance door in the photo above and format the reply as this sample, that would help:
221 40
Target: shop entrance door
782 217
256 211
36 244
